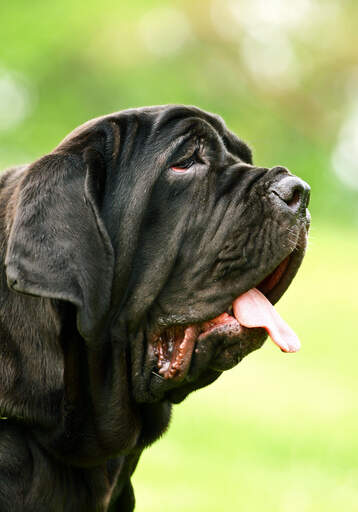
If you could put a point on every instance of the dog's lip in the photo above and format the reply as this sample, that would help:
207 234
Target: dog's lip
176 364
293 264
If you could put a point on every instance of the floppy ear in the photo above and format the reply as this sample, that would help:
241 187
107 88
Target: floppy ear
58 245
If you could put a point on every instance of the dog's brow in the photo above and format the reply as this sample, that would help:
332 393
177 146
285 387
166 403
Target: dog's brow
174 146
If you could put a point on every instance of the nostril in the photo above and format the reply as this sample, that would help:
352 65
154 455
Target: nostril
295 199
307 195
293 191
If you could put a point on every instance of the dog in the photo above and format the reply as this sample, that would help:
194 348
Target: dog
139 260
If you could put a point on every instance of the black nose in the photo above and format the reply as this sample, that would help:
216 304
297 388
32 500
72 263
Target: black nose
293 191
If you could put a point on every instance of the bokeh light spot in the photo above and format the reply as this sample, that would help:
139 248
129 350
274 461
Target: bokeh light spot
16 99
345 154
164 31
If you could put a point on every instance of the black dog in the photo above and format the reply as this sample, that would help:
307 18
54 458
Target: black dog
138 247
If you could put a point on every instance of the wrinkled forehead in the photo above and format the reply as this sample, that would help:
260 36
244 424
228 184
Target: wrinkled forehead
175 120
159 126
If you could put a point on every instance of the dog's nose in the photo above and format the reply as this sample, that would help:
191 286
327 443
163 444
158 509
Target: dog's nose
293 191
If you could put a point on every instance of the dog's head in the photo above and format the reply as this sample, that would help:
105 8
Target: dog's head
154 223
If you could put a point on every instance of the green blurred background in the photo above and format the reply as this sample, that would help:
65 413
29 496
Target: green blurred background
279 432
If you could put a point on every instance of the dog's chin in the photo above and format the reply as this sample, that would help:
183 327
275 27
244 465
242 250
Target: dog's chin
231 343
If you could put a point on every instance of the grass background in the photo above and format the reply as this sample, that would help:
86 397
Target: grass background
279 432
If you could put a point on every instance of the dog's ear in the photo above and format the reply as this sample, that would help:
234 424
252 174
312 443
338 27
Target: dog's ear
58 245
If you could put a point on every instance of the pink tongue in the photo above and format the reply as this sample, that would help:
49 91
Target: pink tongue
252 309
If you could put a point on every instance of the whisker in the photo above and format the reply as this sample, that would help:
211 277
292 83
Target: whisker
157 374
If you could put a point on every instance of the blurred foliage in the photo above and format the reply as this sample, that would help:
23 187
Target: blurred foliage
283 76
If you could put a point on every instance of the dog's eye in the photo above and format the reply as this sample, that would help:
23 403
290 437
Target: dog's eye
184 165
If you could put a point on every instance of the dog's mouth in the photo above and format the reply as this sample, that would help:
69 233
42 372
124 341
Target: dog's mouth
242 328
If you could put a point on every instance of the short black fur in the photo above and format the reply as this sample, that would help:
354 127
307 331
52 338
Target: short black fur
101 245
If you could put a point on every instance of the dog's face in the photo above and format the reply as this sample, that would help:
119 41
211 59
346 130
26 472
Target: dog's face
183 225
